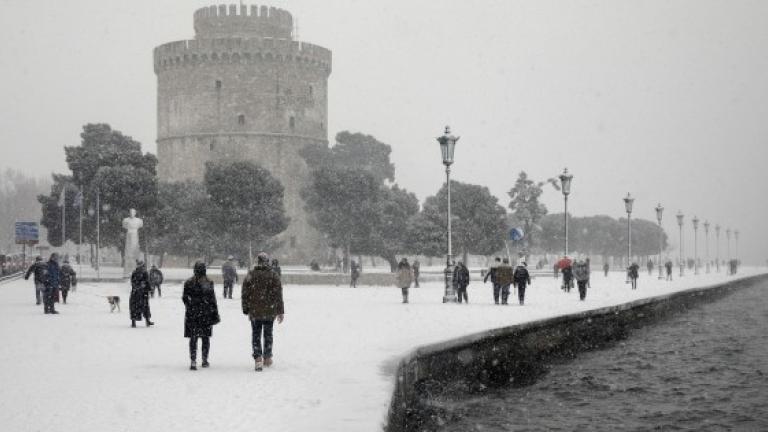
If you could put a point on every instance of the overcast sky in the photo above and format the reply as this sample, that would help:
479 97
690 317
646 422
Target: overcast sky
664 99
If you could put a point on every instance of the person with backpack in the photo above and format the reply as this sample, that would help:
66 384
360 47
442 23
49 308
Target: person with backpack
522 279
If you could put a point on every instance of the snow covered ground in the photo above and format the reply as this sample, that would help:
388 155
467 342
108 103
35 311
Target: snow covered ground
335 355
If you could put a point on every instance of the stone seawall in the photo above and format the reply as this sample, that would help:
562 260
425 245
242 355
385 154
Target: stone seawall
518 355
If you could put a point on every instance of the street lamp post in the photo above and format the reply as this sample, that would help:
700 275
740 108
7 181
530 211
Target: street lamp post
659 211
695 221
565 183
728 243
706 237
680 224
97 213
736 256
628 201
717 248
447 147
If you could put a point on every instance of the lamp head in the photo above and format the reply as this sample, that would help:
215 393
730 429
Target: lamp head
659 211
447 146
628 201
565 181
695 221
680 218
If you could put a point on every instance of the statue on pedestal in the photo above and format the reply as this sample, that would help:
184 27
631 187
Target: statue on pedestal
131 225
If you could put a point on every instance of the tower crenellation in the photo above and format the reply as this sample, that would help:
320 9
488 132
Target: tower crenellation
242 21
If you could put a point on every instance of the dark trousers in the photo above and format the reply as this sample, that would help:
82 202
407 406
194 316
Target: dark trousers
257 327
461 292
496 292
228 288
64 293
193 347
353 282
582 289
567 284
159 291
504 294
634 282
39 292
521 291
416 280
48 300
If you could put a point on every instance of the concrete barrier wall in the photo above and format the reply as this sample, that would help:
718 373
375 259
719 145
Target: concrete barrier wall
518 355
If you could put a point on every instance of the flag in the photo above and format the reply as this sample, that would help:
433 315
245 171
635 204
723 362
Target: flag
62 197
78 203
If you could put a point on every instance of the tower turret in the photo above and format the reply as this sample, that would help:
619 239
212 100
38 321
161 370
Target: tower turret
223 21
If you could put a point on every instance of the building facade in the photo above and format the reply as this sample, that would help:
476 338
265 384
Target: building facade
243 89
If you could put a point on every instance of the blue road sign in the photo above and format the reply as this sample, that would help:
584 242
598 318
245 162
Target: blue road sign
27 233
516 234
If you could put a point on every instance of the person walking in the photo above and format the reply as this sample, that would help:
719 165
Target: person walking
650 266
556 268
668 267
634 273
504 277
229 275
567 270
275 265
202 313
155 281
40 271
139 300
606 268
581 273
416 267
354 274
522 279
51 285
404 277
494 280
461 281
262 301
68 280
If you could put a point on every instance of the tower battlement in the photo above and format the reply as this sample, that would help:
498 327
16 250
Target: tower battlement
226 21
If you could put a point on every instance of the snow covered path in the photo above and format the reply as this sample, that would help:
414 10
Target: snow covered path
335 355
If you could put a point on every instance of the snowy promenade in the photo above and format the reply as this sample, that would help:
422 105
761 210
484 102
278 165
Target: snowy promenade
335 355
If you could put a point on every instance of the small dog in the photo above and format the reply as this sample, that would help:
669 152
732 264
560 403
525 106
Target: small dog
114 302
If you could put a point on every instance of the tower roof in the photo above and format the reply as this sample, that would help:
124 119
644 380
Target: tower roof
243 21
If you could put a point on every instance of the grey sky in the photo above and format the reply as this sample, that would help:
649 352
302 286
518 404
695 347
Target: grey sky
666 99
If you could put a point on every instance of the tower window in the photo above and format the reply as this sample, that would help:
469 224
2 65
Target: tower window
292 123
241 119
218 84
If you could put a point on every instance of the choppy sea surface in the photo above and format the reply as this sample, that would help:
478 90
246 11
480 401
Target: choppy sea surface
702 370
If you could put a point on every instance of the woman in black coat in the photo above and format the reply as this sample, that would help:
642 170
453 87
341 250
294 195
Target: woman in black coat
202 313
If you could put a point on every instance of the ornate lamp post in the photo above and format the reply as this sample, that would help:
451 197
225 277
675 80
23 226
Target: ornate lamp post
628 201
97 213
447 147
695 221
717 248
659 211
706 237
680 224
565 183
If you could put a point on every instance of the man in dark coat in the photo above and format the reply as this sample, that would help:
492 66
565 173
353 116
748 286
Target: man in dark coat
606 267
522 279
567 271
581 273
650 266
52 281
139 300
262 301
40 270
492 275
504 277
202 313
354 274
461 281
668 268
68 280
634 273
229 274
155 281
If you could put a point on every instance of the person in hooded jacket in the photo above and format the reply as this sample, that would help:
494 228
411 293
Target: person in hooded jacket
404 277
262 301
40 271
139 299
68 280
522 279
202 313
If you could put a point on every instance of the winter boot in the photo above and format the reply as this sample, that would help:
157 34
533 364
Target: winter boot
149 323
259 364
205 363
268 362
193 365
